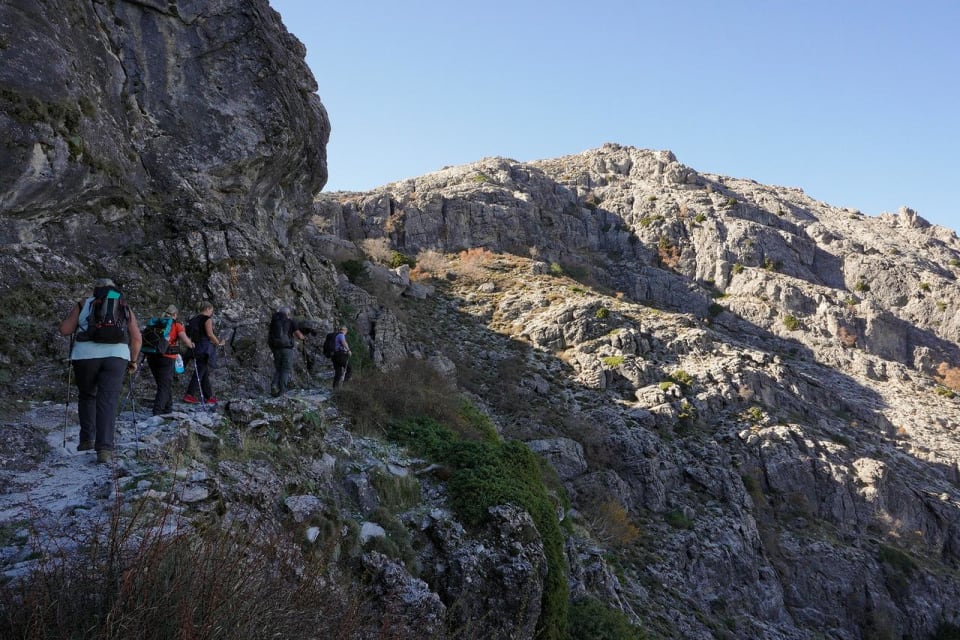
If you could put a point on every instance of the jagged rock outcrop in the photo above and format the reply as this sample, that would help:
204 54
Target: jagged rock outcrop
747 396
796 357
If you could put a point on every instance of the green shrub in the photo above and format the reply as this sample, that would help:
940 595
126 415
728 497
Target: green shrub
399 259
925 287
944 392
612 361
602 313
590 619
678 520
861 287
716 309
737 268
487 472
354 270
731 202
897 560
681 378
699 218
556 269
791 323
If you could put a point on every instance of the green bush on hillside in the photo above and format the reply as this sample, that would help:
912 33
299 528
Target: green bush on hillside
590 619
486 472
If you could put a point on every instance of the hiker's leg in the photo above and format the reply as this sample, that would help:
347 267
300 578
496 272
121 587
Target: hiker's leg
109 383
163 372
152 362
349 370
286 366
204 363
193 388
277 369
85 373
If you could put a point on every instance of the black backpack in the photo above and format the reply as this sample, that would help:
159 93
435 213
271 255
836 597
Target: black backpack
330 344
156 336
108 317
278 337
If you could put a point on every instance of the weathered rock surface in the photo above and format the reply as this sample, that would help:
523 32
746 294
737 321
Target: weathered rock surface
758 379
747 396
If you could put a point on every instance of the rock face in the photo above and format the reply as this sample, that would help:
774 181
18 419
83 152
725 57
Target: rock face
747 397
170 146
762 381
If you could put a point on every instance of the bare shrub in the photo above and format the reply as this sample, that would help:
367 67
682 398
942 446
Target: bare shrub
430 263
378 249
473 262
612 525
668 252
949 376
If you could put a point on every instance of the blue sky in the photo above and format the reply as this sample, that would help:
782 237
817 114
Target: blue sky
855 102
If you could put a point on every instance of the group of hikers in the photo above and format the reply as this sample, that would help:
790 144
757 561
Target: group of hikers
107 342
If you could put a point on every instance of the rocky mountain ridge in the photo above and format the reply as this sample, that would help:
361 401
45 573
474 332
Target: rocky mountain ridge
746 397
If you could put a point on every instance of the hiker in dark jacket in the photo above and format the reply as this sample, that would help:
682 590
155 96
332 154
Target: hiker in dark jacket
283 330
161 364
200 328
99 368
341 359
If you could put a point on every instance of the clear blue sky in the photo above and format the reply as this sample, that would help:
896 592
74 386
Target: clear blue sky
856 102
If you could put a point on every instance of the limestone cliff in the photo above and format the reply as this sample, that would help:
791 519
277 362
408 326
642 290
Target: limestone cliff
764 383
747 398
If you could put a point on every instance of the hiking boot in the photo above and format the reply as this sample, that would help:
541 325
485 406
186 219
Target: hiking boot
211 400
104 456
190 399
86 445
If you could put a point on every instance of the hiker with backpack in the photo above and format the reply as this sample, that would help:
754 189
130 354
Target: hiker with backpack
200 331
341 358
280 338
106 344
162 338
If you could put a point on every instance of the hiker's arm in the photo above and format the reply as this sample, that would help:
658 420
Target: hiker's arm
208 328
69 324
184 338
299 334
136 340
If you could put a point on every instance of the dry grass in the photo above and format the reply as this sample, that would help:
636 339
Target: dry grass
152 578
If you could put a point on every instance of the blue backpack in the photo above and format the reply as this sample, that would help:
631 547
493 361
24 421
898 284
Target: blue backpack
156 336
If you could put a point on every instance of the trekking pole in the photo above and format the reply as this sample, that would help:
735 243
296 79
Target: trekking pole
196 373
66 406
133 382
